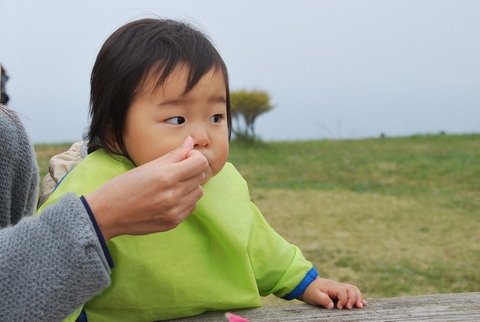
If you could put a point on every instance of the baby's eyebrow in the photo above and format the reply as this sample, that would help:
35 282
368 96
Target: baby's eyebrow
218 99
180 101
172 102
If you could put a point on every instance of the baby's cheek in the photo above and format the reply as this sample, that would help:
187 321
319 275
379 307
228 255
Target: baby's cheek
222 160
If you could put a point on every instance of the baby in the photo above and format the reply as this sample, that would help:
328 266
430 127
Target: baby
157 84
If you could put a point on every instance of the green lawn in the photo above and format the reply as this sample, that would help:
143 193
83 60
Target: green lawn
395 216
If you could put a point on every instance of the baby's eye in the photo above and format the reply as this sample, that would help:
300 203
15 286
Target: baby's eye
177 120
216 118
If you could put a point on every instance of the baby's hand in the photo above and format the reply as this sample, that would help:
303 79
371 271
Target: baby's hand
323 292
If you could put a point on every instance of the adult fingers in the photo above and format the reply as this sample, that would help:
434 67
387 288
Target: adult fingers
195 164
188 185
188 203
179 153
183 153
183 163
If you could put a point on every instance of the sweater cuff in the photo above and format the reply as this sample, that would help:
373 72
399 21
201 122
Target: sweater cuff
101 239
300 289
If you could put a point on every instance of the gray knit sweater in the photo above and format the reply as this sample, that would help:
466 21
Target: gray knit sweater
51 264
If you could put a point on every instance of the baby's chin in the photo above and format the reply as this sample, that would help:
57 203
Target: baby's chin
210 173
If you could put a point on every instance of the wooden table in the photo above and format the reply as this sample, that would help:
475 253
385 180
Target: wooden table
440 307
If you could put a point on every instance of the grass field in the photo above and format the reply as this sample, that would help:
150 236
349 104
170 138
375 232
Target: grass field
395 216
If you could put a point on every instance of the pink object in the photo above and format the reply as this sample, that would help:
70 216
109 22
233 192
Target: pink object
234 318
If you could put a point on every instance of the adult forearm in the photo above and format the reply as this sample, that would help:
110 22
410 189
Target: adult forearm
51 264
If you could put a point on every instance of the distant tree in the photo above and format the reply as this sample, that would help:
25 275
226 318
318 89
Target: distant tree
246 107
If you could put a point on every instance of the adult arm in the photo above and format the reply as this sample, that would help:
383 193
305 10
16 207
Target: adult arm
51 264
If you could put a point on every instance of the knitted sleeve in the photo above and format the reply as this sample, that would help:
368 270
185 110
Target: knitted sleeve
51 264
18 170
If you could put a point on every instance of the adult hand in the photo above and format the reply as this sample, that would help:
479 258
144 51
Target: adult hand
154 197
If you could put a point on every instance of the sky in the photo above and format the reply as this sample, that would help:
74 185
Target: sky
334 69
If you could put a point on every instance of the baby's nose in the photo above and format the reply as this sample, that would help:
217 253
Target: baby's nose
200 138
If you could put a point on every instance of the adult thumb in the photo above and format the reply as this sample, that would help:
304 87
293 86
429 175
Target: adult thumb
181 153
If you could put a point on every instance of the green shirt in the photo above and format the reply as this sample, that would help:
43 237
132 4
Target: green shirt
223 256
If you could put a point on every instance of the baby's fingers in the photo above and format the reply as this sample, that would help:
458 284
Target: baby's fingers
353 298
340 292
321 299
324 291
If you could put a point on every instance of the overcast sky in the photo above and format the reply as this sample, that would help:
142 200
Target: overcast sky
334 69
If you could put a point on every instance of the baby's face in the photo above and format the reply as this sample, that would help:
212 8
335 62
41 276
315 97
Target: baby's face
159 120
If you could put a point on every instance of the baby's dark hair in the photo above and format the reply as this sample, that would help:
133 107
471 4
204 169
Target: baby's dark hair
136 51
